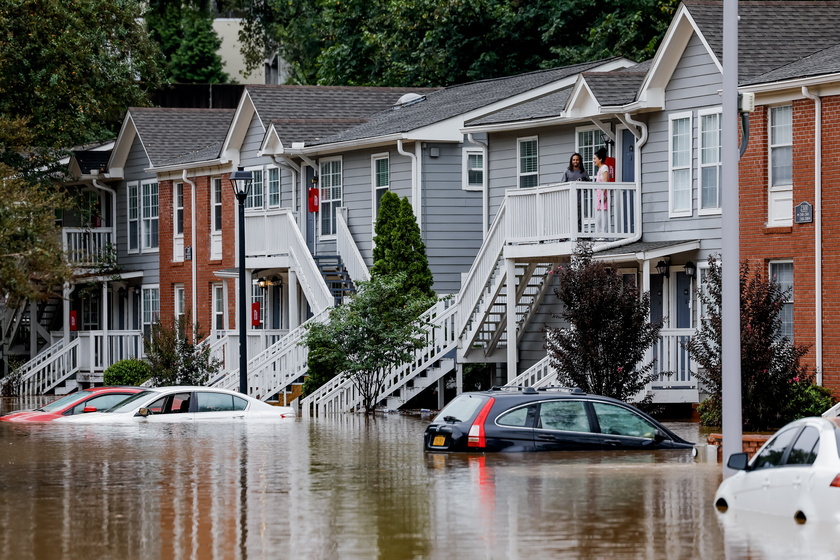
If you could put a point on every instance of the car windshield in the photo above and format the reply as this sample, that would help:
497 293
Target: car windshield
129 403
61 403
461 408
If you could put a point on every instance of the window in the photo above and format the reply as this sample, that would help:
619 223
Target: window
772 455
151 307
150 216
331 193
216 213
133 218
782 274
218 307
219 402
91 305
620 421
518 417
780 204
528 162
473 165
273 187
679 148
804 450
255 193
101 402
179 209
710 161
569 416
381 181
180 302
588 142
258 296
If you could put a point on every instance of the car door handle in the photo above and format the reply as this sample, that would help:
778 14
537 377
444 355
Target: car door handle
547 437
612 442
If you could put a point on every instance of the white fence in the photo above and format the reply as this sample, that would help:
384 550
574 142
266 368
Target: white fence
87 247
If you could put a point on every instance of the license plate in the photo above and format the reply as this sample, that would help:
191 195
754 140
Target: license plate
439 441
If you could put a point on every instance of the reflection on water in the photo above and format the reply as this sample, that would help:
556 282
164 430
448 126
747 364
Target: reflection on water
341 488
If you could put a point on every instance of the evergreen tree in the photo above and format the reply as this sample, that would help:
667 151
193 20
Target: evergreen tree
602 349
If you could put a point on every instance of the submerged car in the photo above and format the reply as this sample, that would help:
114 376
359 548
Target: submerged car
85 401
185 404
796 474
549 419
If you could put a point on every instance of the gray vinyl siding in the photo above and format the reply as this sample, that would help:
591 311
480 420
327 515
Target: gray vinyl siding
693 86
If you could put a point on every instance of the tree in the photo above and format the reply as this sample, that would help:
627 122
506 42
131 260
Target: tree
776 387
188 42
602 349
69 70
399 247
176 357
376 331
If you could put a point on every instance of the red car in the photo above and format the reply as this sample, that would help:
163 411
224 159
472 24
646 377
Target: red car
88 400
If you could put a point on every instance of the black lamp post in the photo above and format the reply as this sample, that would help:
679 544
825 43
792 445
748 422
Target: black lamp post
240 181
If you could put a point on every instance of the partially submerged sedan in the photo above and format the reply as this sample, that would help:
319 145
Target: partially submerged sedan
86 401
551 419
185 404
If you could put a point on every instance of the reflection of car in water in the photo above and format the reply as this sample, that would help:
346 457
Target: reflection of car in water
796 474
85 401
551 419
186 404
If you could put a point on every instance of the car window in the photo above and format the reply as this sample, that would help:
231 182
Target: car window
771 455
57 405
804 449
568 416
518 417
171 404
216 402
617 420
129 403
461 408
100 402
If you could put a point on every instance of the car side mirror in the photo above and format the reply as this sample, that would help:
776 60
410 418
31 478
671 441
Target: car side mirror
89 409
659 435
738 461
144 412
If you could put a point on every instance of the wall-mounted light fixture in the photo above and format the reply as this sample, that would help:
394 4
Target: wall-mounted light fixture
690 269
662 268
273 281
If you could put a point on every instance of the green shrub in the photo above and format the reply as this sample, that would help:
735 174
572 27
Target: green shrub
808 399
127 372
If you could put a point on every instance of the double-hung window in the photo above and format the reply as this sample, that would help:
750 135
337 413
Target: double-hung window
133 217
216 219
781 166
273 187
151 307
529 164
679 171
180 304
218 307
331 194
589 141
149 224
710 161
255 193
381 172
781 272
179 209
473 169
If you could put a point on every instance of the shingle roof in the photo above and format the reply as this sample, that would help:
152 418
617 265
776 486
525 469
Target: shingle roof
310 130
453 101
170 134
546 106
614 88
824 62
771 33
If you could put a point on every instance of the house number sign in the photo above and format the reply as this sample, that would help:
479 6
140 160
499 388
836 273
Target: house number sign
804 213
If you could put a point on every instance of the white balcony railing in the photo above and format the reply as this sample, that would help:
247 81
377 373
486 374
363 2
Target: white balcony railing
673 364
87 247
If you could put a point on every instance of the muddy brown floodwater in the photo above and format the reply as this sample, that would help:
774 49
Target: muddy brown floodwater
344 487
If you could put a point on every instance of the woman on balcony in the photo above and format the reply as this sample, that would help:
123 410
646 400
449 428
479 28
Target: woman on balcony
602 203
576 171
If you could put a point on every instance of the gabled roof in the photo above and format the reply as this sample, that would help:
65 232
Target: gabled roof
459 100
88 160
818 64
614 88
172 133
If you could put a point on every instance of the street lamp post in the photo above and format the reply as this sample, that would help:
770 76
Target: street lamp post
240 181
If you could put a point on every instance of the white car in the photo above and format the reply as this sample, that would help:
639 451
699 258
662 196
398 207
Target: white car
184 404
796 474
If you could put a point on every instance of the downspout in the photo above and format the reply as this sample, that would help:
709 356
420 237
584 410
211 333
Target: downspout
194 262
640 141
817 231
415 202
485 194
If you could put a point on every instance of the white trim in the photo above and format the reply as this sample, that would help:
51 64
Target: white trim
711 211
779 197
156 217
267 186
467 151
335 203
681 213
178 289
587 159
790 299
519 174
128 188
143 289
251 191
374 211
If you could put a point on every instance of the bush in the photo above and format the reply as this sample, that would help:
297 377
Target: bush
808 399
127 372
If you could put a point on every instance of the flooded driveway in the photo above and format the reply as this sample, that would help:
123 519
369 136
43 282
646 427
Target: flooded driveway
342 488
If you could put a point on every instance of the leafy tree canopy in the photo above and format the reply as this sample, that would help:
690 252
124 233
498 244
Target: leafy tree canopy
444 42
175 357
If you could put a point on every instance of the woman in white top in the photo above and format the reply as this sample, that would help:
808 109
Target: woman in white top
602 201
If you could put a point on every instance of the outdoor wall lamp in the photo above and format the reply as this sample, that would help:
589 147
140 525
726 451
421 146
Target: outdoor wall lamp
662 268
240 182
690 269
266 282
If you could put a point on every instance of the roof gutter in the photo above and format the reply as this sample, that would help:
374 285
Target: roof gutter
771 87
818 305
184 166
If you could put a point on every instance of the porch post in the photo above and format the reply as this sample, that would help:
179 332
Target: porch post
65 312
106 346
511 319
459 378
33 330
294 302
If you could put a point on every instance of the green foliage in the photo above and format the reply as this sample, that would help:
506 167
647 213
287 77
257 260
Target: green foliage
127 372
399 247
70 69
188 42
434 43
324 360
376 331
776 387
602 349
175 356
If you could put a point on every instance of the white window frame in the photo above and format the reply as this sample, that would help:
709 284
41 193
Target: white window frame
150 304
787 326
701 166
217 295
520 175
274 179
133 212
259 295
178 210
216 208
466 168
683 168
180 300
780 196
256 193
329 203
376 187
586 151
149 217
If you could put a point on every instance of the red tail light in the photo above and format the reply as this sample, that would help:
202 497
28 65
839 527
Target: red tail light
836 481
476 436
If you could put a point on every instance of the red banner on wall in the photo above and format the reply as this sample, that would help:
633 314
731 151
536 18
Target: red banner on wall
74 323
255 314
610 163
314 200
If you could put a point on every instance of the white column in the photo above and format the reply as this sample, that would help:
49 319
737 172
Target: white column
512 357
294 301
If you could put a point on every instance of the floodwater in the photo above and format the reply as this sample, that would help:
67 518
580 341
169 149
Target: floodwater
345 487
